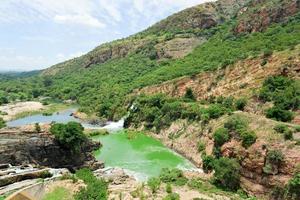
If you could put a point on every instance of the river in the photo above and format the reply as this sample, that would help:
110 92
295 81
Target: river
141 156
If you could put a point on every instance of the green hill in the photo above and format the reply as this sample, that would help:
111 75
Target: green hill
202 38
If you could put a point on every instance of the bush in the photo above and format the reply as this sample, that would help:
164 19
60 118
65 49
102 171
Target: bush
221 136
240 104
96 188
275 157
2 123
279 114
174 176
248 138
297 128
281 128
154 184
169 188
292 190
189 94
201 146
172 196
227 173
288 134
69 135
236 124
207 163
215 111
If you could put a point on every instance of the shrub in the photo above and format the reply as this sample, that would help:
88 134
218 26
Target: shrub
221 136
280 128
248 138
288 134
275 157
292 190
279 114
297 128
69 135
2 123
215 111
174 176
201 146
154 184
189 94
240 104
208 163
169 188
172 196
96 188
227 173
236 124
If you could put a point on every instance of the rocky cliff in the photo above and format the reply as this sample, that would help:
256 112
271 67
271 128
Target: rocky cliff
19 147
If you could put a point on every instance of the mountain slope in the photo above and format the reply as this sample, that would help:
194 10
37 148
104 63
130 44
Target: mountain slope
202 38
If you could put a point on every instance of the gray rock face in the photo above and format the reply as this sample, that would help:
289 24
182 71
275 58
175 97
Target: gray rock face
19 148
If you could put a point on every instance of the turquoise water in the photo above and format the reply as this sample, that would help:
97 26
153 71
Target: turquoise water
142 156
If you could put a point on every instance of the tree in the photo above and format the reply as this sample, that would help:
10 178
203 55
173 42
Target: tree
69 135
227 173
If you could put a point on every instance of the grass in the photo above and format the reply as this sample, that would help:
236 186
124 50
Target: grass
59 193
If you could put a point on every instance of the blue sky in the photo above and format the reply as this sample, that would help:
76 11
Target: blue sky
36 34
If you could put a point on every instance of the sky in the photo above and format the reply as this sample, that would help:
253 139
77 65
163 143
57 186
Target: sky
36 34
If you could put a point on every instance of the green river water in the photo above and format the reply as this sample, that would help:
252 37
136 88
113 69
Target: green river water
142 156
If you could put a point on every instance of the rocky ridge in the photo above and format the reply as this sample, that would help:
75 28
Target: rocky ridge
19 146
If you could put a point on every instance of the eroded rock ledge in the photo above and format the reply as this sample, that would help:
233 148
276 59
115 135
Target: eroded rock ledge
19 146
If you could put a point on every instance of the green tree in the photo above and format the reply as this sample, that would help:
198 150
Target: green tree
69 135
227 173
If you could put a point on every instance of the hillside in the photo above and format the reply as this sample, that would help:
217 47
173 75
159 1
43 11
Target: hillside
206 37
219 83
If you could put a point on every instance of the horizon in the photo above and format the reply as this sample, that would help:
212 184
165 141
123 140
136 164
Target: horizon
46 33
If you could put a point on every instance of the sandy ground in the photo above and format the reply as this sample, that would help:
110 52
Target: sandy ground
13 109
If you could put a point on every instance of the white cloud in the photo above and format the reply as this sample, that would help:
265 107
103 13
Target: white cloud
80 20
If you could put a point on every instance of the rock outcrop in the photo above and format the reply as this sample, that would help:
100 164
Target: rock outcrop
19 147
260 14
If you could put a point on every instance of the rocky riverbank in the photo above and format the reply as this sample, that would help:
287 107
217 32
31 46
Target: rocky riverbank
21 146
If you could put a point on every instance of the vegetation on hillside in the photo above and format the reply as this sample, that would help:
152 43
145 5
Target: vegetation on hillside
101 88
285 95
159 111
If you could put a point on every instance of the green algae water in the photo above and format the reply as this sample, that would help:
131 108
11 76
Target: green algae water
140 156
